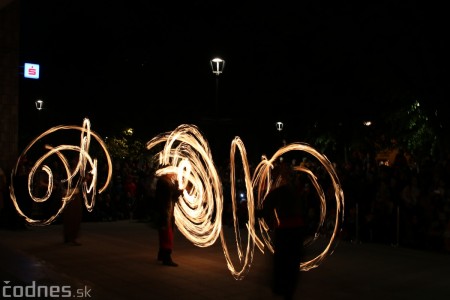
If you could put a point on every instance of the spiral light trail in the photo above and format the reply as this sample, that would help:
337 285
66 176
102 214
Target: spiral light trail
85 165
198 213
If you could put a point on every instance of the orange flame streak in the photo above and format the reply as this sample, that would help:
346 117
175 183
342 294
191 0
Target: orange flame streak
262 182
198 214
85 163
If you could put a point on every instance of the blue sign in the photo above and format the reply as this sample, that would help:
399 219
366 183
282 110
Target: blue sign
31 71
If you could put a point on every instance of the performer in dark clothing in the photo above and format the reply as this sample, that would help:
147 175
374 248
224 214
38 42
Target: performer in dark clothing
166 195
285 206
72 218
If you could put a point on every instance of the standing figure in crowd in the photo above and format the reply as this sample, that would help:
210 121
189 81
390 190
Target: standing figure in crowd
166 195
285 210
73 212
72 217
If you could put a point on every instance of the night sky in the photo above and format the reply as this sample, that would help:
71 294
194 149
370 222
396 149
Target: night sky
146 63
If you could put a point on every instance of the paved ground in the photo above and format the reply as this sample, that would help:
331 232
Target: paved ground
117 260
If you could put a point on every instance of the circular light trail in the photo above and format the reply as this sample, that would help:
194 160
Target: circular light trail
198 213
85 172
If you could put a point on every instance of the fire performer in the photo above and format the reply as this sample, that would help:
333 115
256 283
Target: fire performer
166 195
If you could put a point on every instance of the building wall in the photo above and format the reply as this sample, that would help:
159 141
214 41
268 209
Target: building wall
9 83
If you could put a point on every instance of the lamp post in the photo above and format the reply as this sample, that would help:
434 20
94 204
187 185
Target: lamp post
39 106
217 65
280 125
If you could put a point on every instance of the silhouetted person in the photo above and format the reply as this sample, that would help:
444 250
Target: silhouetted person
166 195
284 205
130 189
73 212
72 217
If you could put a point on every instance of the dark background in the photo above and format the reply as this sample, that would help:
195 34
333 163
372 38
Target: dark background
145 64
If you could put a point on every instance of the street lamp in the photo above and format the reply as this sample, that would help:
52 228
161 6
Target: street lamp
217 65
279 126
39 104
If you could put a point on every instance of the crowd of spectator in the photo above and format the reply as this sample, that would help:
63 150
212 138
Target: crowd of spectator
403 203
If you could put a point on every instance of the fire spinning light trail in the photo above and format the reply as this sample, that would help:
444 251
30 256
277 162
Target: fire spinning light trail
84 173
262 181
198 214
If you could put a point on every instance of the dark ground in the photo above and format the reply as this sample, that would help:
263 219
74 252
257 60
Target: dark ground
117 260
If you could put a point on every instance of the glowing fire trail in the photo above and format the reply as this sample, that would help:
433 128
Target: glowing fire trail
198 214
262 181
85 165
